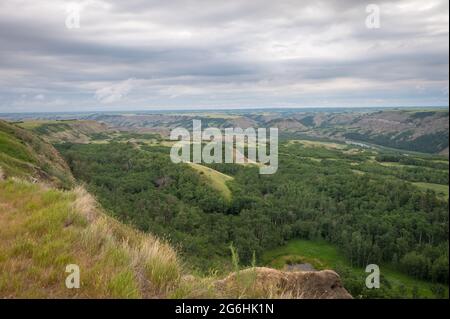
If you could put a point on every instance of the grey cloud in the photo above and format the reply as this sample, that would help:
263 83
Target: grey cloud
199 53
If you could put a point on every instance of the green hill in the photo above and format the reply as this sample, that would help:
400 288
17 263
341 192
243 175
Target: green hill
25 155
216 179
65 130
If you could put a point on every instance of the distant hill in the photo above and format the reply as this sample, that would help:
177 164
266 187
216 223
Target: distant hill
57 131
424 131
420 130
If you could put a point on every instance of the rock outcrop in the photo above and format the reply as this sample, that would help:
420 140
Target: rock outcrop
266 282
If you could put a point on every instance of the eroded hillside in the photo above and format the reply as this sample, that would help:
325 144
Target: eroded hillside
25 155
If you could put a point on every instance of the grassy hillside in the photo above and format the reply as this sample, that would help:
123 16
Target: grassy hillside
442 190
65 130
216 179
23 154
45 228
52 228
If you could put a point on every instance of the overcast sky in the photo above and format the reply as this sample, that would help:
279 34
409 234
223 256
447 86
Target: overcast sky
136 54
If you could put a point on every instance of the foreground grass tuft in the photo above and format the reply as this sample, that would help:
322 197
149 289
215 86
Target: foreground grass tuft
43 230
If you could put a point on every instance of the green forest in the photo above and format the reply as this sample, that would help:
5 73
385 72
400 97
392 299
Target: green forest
362 201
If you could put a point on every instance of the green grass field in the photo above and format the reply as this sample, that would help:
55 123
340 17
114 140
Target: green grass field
441 190
323 255
438 188
394 164
312 144
29 125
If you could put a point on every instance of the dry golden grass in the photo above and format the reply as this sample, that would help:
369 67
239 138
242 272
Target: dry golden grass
43 230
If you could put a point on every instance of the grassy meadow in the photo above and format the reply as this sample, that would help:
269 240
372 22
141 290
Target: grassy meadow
322 255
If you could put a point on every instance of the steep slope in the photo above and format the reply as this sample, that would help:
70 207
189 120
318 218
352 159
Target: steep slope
421 131
25 155
45 228
52 229
66 130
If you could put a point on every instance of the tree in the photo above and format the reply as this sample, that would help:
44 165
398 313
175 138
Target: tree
439 270
415 264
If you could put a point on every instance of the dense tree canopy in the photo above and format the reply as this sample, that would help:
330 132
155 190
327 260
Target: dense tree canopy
371 212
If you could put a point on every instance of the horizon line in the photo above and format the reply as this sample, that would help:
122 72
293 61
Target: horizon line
228 109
